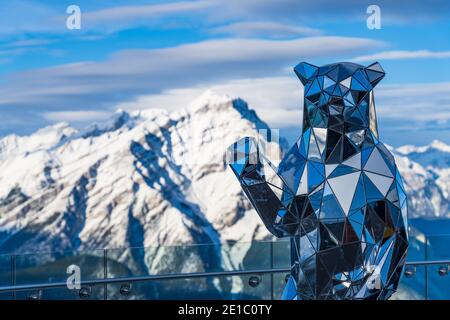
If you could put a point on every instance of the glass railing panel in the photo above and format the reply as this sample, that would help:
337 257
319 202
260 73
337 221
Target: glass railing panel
438 275
413 284
279 282
247 255
6 275
239 287
46 268
231 256
228 256
281 253
63 293
281 259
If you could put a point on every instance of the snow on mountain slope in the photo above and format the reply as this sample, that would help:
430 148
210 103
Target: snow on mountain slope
43 139
426 197
435 158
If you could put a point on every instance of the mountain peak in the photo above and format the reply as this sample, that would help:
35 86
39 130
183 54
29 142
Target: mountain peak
437 144
213 101
116 121
209 98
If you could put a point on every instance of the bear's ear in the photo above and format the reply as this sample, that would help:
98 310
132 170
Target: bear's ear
375 73
305 71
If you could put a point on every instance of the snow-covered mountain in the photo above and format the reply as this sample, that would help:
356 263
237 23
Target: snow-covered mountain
151 178
141 179
426 172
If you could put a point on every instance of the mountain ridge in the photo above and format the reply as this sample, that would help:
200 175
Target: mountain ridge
135 176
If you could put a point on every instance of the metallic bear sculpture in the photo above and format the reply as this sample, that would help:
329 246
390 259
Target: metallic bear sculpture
337 193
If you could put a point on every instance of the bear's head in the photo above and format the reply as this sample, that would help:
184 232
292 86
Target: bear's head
339 105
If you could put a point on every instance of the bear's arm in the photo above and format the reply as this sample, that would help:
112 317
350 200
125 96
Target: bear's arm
259 180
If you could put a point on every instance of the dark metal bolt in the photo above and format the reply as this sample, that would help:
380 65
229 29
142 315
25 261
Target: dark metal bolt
125 289
35 295
254 281
410 272
443 270
85 292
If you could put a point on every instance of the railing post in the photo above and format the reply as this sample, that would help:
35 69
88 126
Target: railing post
426 268
105 273
13 273
271 267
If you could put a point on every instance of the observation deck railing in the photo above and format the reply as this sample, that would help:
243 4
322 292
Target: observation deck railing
234 270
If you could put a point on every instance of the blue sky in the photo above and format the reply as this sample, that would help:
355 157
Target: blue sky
148 54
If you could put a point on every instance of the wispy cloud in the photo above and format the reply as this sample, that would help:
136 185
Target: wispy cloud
33 17
265 29
265 39
276 99
399 11
25 43
13 49
122 17
419 102
23 17
132 72
404 54
129 13
76 116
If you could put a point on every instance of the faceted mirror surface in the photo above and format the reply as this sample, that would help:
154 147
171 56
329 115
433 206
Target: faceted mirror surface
337 193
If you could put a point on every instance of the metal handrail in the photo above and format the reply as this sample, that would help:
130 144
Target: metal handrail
427 262
175 276
39 286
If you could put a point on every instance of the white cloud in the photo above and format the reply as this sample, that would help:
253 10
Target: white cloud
76 116
403 54
131 12
265 29
19 47
28 43
415 102
134 72
278 100
30 17
425 90
400 11
117 18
